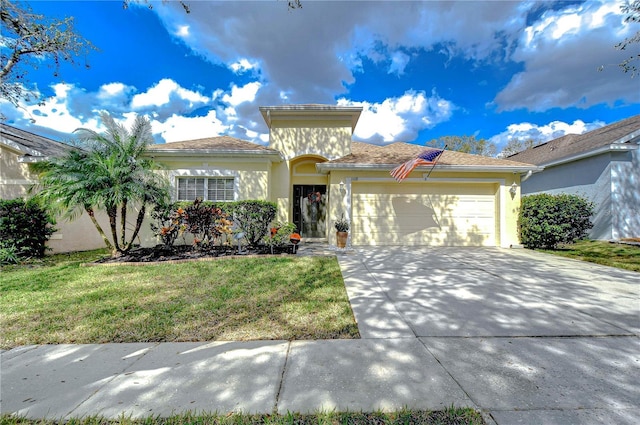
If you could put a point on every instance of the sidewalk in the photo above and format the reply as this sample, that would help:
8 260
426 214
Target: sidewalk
252 377
426 344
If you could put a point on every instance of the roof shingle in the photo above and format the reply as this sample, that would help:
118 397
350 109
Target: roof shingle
572 144
399 152
44 146
222 143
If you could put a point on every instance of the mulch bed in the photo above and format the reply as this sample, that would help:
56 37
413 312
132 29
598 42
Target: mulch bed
186 252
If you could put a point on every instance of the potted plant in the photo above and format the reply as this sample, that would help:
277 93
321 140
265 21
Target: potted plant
342 232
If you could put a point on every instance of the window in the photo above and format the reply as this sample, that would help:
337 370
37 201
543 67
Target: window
208 189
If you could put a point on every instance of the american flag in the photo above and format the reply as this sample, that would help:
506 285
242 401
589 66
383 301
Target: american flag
425 158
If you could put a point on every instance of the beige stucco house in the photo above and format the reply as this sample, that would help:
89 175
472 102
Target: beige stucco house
316 174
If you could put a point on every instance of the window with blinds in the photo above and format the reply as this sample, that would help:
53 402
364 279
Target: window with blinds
205 188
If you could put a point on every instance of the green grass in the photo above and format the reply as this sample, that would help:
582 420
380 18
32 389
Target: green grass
57 301
448 416
601 252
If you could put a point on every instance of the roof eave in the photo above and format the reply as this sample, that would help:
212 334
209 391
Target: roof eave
327 167
614 147
214 152
28 159
311 111
20 148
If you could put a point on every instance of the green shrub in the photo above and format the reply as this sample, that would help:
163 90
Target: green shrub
280 235
25 228
548 220
207 223
254 217
168 222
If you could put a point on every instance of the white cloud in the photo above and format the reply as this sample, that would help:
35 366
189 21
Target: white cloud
244 65
399 61
399 119
178 128
542 133
318 51
164 93
183 31
246 93
56 113
112 90
562 52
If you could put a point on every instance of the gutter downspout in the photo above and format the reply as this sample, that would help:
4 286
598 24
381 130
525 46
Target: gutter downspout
526 176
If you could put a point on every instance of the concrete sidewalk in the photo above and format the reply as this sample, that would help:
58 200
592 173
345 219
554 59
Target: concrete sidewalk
552 344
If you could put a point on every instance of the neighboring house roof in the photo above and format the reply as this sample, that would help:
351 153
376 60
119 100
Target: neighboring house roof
366 155
32 146
218 146
622 135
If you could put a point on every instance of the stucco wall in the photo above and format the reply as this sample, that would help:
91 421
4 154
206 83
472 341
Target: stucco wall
78 234
251 177
330 139
15 177
625 196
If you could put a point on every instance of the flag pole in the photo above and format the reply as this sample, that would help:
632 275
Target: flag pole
435 216
435 162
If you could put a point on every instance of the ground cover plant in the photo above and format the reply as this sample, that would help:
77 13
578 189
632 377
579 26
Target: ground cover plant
602 252
448 416
57 300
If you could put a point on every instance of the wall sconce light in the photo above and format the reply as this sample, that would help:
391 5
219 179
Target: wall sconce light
513 189
342 189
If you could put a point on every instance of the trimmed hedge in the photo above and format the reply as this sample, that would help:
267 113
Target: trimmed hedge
25 228
545 221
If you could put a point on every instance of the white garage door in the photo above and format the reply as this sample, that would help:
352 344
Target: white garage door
440 214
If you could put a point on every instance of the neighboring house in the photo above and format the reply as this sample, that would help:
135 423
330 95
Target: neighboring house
19 148
316 174
603 165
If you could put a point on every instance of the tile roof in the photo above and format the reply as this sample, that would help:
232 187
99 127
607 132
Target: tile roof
219 143
38 145
397 153
572 144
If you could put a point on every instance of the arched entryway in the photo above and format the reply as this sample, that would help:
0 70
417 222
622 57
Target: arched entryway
309 197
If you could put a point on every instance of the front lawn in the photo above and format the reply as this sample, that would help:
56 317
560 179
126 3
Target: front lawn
59 301
448 416
602 252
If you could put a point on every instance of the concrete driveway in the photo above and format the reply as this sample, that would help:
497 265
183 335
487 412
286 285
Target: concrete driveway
529 337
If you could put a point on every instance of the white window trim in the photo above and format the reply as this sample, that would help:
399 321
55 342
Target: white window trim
203 174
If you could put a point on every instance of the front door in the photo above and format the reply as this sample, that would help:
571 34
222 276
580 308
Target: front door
309 210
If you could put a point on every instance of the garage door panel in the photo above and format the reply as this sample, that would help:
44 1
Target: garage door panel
422 215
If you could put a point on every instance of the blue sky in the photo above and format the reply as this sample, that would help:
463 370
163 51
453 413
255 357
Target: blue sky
420 70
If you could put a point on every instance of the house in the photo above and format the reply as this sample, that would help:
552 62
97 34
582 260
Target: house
316 174
602 165
18 149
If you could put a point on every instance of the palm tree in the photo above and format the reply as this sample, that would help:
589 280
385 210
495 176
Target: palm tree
110 173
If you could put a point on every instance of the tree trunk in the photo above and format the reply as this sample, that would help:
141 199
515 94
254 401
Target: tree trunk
92 216
139 221
123 225
112 212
